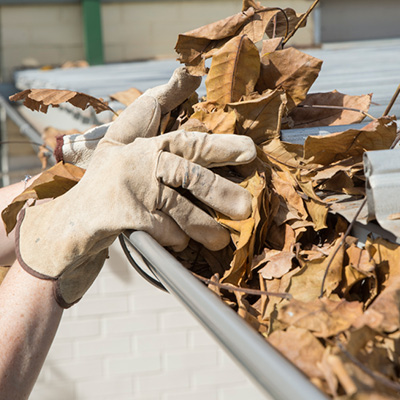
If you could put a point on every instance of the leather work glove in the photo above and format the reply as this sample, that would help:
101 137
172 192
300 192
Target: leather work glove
140 119
132 186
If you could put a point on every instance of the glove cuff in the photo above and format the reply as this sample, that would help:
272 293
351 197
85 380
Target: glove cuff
58 153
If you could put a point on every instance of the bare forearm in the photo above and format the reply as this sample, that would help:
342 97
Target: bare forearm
29 320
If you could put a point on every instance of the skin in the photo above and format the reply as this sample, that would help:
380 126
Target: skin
29 317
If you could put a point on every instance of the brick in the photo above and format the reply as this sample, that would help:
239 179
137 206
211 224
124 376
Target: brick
163 381
193 394
217 376
54 390
190 359
131 323
97 305
153 301
103 388
134 364
78 328
200 337
61 350
77 369
178 320
246 391
101 347
161 341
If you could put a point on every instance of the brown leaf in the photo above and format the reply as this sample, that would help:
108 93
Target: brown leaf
291 70
305 285
234 71
305 116
52 183
283 153
216 122
277 264
351 143
324 317
246 4
281 27
199 44
301 347
383 315
260 117
126 97
41 99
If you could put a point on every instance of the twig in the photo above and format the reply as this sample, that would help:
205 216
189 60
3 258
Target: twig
313 5
232 288
347 233
393 99
336 108
381 379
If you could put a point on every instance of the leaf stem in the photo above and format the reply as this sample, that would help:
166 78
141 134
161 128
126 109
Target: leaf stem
232 288
302 19
336 108
392 101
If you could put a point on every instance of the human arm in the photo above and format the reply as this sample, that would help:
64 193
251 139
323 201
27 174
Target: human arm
29 319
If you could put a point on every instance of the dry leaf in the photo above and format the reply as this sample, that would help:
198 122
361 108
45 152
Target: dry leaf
126 97
301 347
218 121
351 143
234 71
52 183
277 264
282 26
323 317
305 116
260 117
291 70
41 99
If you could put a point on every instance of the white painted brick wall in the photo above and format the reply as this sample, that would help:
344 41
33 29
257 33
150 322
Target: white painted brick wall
128 340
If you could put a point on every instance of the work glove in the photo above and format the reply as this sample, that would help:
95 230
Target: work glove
135 186
140 119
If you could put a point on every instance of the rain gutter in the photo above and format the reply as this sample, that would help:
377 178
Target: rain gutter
277 377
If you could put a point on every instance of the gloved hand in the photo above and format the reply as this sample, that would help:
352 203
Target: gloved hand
132 187
140 119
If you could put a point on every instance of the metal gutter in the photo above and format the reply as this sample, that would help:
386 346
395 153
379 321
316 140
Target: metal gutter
277 377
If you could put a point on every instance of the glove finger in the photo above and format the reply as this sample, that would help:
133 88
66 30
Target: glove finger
176 91
139 119
211 189
165 230
210 150
197 224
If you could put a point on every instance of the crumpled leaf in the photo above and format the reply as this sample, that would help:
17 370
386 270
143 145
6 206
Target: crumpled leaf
301 347
277 264
234 71
383 315
260 116
218 121
126 97
41 99
325 150
305 116
324 317
282 27
52 183
291 70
